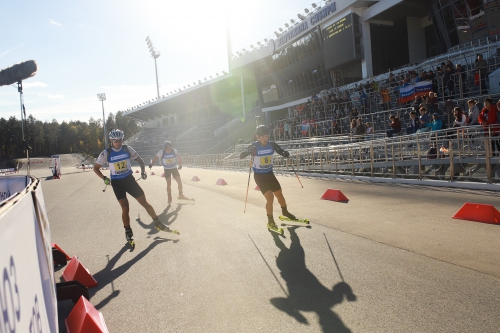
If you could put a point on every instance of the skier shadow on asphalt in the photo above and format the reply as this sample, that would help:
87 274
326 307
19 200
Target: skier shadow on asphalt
166 217
305 291
105 277
108 274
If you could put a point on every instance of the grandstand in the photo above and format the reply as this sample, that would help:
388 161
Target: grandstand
291 85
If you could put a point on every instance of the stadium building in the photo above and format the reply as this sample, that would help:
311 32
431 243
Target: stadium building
331 46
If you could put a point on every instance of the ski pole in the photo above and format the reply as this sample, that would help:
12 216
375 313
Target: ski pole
248 185
296 174
105 187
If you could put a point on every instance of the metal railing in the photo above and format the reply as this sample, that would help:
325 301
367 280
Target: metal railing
457 154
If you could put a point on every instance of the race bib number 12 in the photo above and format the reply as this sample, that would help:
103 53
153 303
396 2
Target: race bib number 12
119 166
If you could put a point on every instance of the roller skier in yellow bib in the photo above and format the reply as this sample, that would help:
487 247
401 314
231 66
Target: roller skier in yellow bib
262 152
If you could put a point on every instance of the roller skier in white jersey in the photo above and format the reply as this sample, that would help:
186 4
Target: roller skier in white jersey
172 162
122 180
262 152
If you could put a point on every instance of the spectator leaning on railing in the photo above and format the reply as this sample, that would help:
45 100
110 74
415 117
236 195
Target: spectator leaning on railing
460 117
473 112
488 118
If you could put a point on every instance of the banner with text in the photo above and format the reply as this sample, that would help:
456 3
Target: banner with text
408 93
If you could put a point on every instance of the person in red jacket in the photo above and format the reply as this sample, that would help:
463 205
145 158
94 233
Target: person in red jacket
488 119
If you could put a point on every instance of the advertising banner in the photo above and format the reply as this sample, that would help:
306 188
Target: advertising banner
24 276
10 185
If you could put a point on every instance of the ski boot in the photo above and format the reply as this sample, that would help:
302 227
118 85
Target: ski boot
183 197
286 213
129 235
287 216
271 225
162 227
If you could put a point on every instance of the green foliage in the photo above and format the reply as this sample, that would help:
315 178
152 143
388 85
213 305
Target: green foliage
50 138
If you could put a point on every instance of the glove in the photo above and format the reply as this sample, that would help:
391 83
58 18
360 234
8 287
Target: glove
150 165
106 180
179 167
286 154
243 154
144 175
250 149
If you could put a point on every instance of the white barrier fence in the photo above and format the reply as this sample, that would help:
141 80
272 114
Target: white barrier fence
27 289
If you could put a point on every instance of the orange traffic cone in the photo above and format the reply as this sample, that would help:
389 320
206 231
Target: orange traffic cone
478 213
334 195
84 318
221 181
77 272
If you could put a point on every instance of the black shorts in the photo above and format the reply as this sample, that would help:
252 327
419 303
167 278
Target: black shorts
266 182
174 172
126 185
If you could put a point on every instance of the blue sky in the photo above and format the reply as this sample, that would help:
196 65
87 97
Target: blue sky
88 47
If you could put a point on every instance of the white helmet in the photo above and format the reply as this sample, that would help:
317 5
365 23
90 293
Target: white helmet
116 134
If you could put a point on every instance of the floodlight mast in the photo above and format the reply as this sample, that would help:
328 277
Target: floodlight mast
154 54
102 98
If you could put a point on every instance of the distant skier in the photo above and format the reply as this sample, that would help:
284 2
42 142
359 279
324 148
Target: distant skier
172 162
122 180
262 152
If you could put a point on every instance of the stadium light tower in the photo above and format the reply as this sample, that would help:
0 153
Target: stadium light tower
102 98
154 54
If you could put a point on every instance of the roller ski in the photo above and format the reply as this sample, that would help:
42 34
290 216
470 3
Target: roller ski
129 235
182 197
162 227
284 218
271 225
287 216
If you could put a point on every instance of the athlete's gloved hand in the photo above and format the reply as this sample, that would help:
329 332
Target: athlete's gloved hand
150 165
250 149
179 167
243 154
106 180
144 175
286 154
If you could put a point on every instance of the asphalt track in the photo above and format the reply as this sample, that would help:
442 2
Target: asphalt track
390 260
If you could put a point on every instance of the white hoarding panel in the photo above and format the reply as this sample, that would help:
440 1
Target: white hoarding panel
22 296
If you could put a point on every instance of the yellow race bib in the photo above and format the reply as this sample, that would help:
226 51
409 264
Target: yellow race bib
119 166
265 160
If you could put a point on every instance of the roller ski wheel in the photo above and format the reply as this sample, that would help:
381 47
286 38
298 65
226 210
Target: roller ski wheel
162 227
274 228
184 198
284 218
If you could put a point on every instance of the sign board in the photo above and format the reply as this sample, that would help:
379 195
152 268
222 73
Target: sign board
27 289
